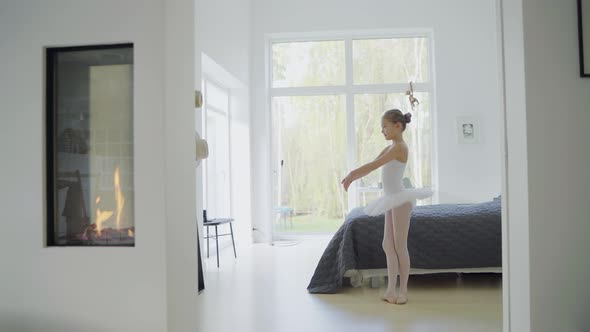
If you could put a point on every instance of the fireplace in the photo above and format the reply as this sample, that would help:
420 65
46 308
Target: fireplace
89 146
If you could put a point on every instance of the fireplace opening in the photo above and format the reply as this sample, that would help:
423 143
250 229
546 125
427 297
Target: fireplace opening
89 146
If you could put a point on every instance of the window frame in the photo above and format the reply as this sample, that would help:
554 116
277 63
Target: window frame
349 90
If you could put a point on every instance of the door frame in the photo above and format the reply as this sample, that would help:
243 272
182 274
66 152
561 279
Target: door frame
514 166
207 79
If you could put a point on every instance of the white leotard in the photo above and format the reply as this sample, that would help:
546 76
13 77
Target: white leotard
394 193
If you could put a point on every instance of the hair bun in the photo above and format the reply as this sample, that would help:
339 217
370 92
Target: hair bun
408 117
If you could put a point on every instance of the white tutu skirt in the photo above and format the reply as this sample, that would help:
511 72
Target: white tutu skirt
391 201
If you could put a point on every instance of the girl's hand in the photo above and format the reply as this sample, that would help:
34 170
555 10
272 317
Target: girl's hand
347 181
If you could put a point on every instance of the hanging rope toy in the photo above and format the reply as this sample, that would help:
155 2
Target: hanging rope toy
413 100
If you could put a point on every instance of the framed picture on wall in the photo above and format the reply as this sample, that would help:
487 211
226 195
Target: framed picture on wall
468 129
584 36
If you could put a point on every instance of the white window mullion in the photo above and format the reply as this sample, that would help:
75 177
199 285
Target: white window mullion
351 129
349 88
344 35
391 88
308 91
270 118
434 116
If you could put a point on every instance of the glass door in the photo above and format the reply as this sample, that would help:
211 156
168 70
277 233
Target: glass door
309 148
216 129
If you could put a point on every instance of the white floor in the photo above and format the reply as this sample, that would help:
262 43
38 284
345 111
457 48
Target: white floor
264 289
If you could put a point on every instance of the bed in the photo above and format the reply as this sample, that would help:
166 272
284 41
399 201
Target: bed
442 238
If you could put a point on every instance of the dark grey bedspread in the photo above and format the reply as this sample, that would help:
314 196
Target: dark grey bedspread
441 237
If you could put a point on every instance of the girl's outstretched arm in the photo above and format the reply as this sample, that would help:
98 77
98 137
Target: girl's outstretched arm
383 152
396 152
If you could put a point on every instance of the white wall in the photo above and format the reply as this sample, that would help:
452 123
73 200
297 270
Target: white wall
515 249
98 289
466 81
558 116
224 35
181 232
11 285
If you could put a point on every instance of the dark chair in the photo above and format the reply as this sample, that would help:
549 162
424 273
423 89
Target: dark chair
216 222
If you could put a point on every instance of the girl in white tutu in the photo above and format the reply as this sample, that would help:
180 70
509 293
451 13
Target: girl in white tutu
396 203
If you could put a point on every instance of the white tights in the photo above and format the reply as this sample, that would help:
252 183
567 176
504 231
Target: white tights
395 245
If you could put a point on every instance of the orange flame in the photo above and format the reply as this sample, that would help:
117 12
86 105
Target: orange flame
118 198
101 216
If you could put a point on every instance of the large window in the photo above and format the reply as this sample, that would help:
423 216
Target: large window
327 96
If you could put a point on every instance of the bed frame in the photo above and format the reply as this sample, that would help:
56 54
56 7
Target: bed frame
374 277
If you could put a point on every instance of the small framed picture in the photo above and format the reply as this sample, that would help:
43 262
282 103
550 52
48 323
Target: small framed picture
584 36
468 129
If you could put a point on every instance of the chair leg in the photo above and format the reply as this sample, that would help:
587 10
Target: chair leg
207 240
217 245
232 239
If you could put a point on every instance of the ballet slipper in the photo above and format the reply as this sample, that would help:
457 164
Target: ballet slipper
402 299
390 297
